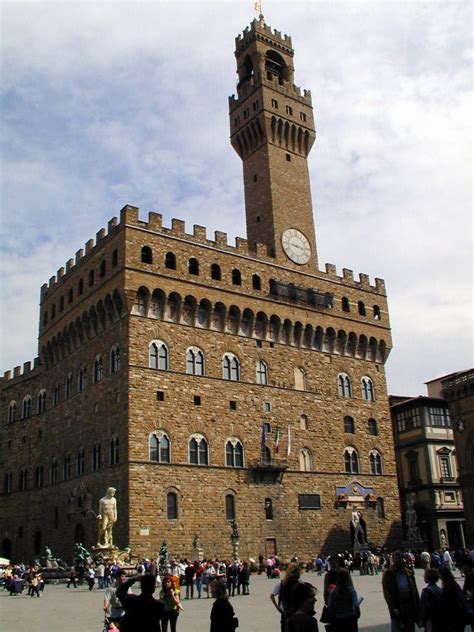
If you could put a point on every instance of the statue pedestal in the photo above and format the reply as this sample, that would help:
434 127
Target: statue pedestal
197 554
107 551
360 547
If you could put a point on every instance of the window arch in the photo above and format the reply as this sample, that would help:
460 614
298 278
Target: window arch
41 404
300 379
147 254
377 314
351 460
256 282
80 462
56 394
262 372
268 509
68 386
80 287
102 268
230 367
236 277
198 450
158 355
114 257
8 483
115 359
344 385
67 467
114 451
194 361
372 427
39 476
12 412
303 422
306 461
230 507
70 295
349 425
234 453
53 471
361 308
172 506
26 407
160 447
23 480
380 508
91 278
193 266
170 261
375 462
345 304
368 390
96 457
98 369
216 272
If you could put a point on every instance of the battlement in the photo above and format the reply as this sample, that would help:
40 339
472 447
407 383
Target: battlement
260 28
289 89
20 373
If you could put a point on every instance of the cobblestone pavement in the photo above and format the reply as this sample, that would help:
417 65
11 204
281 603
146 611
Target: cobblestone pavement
78 610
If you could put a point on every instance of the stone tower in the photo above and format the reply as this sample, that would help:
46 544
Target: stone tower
272 130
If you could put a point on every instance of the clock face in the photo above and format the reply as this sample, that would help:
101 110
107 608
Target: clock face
296 246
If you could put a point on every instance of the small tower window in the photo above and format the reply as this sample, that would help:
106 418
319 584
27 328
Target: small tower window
361 308
193 266
256 282
288 157
275 104
236 277
170 261
102 269
215 272
345 304
147 255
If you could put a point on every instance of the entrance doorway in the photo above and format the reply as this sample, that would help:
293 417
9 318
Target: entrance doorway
270 547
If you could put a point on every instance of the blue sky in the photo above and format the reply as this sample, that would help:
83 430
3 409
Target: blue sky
105 104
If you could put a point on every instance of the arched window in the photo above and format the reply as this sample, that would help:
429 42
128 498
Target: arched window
377 315
56 393
303 422
82 380
368 391
115 359
344 385
12 412
230 507
216 272
194 361
23 480
98 370
236 277
380 508
53 310
45 319
61 304
91 278
375 462
8 483
372 427
234 453
262 372
361 308
96 457
198 451
160 447
114 258
300 379
67 467
345 304
102 268
256 282
275 65
268 509
26 407
230 367
114 451
70 296
80 462
41 405
351 461
193 266
172 506
306 464
349 425
147 255
68 386
80 287
158 355
170 261
39 476
53 471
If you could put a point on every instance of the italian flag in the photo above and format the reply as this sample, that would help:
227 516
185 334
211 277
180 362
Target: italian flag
277 439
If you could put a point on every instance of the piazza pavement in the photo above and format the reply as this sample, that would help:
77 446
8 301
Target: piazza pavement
78 610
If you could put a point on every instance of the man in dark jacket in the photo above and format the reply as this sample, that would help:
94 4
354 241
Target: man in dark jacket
401 594
142 612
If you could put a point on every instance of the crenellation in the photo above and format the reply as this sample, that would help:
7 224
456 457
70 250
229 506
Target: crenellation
220 238
69 265
331 269
155 220
199 232
44 290
348 275
17 371
364 281
241 244
26 367
60 273
129 215
178 226
79 255
380 286
99 236
89 246
112 225
52 281
262 250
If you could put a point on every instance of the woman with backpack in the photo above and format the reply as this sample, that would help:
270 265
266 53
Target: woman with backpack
343 604
430 603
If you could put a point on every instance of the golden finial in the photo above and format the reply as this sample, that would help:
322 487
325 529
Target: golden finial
258 9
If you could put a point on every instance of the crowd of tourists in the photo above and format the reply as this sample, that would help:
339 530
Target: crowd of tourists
443 605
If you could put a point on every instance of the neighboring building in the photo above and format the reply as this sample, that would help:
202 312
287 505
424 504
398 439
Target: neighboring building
427 470
458 390
208 382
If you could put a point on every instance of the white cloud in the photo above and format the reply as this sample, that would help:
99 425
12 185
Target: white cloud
112 103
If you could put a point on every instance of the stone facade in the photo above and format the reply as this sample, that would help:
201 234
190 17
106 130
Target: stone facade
307 352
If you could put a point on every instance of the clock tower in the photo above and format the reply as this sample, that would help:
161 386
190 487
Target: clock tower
272 130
